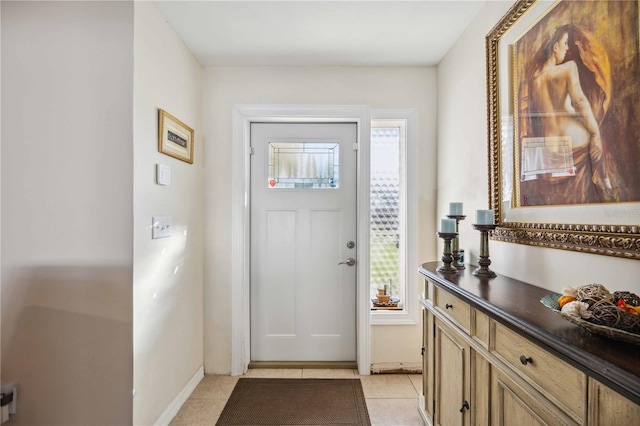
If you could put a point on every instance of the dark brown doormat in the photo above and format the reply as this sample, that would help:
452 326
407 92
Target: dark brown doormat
296 402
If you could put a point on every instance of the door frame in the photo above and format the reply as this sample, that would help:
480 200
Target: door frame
243 116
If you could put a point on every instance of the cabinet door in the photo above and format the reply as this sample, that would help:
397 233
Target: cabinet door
428 379
480 389
606 406
512 405
452 366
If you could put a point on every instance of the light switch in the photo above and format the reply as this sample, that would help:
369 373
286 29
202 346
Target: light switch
163 174
161 227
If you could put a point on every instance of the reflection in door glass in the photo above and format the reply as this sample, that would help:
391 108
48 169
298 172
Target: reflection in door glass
304 165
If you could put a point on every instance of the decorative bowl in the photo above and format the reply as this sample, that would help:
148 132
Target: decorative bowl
551 302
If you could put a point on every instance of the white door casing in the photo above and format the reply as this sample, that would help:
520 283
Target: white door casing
243 116
302 293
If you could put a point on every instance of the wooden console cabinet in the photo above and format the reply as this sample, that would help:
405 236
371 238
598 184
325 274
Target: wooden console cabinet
494 355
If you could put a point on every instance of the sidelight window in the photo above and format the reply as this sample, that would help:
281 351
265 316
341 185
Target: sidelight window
390 244
387 233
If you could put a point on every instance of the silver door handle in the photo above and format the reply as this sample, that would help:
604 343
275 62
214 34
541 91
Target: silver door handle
349 262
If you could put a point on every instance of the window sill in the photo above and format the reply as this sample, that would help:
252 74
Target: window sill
392 317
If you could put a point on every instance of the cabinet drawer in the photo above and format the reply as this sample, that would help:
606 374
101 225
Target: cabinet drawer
557 380
457 310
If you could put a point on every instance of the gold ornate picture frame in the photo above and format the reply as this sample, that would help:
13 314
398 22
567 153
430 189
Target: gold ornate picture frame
174 137
610 227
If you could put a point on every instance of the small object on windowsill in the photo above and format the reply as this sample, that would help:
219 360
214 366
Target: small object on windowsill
382 302
384 298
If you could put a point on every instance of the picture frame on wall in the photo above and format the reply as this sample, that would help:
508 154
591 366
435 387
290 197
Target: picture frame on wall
174 137
564 125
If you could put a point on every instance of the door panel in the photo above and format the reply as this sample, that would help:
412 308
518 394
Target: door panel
302 300
280 272
325 234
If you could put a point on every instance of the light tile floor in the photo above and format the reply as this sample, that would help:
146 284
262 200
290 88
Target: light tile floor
392 399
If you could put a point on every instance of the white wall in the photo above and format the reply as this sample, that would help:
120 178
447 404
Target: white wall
463 173
0 193
376 87
67 210
168 272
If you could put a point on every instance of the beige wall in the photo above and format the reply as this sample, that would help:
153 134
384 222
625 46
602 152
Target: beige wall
462 173
168 272
375 87
67 204
88 311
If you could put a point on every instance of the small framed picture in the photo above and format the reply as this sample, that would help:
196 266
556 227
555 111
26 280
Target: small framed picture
174 137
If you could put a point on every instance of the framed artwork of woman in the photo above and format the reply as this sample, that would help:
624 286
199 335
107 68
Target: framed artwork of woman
576 93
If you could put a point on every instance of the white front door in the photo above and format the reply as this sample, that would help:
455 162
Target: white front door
303 225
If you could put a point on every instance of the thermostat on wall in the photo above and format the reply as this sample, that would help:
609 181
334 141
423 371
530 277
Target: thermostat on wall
163 174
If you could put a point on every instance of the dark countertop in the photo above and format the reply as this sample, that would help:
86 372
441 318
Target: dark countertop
517 305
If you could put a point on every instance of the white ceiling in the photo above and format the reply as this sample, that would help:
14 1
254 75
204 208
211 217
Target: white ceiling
319 33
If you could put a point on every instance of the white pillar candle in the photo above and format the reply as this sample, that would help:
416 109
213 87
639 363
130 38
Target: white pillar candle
455 209
448 226
484 217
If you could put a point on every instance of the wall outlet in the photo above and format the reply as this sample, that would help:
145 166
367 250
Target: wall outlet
161 227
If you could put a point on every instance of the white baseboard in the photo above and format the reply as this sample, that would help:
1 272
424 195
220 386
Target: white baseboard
172 409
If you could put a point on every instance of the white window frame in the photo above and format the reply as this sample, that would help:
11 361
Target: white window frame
409 315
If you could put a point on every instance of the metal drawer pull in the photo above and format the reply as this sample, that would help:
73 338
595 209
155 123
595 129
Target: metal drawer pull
447 306
465 405
525 360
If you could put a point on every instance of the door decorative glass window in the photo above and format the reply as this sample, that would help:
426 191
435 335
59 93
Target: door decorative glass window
304 165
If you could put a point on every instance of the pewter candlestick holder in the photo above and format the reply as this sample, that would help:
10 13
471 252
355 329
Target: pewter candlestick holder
446 254
455 249
484 261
